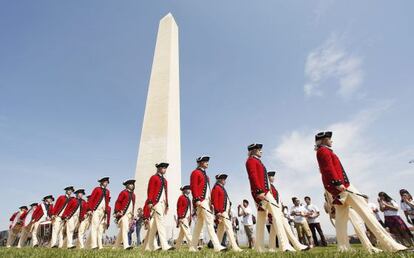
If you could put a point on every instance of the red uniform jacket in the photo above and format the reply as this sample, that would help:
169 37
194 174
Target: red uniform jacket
97 197
257 173
219 198
156 185
125 199
13 217
73 206
199 181
183 206
333 174
38 212
275 194
60 205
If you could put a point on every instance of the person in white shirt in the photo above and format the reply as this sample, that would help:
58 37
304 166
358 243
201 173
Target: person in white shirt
299 214
393 221
407 205
313 221
245 212
376 212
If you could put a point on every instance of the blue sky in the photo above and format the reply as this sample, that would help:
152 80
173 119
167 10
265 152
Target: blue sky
74 77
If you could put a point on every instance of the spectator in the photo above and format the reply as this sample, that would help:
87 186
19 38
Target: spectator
393 221
299 214
376 212
131 231
139 221
235 224
245 212
285 211
313 221
407 205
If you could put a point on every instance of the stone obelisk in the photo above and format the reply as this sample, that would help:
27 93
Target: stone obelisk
160 135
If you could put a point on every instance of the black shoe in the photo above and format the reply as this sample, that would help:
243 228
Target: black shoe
129 248
36 246
55 246
172 248
306 249
224 250
95 248
73 247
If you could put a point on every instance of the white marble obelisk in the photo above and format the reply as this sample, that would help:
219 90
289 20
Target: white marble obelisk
160 135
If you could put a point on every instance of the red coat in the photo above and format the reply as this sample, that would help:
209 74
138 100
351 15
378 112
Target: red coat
96 198
183 206
38 212
199 181
219 198
73 206
125 199
60 205
333 174
156 185
257 173
12 218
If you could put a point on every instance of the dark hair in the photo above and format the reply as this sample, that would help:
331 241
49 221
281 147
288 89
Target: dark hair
307 198
294 199
387 198
245 201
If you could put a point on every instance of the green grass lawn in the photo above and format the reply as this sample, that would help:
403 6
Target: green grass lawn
328 252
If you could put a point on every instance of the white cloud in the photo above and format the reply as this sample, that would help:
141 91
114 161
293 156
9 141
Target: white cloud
331 63
371 168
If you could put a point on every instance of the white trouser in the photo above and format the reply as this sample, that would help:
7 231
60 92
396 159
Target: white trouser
23 236
35 228
57 232
97 220
184 232
359 228
157 226
291 236
361 208
71 225
205 215
226 226
146 243
83 227
123 224
269 206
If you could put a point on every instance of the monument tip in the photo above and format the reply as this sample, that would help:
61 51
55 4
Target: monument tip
168 16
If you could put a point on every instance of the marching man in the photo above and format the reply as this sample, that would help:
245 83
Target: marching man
345 195
200 189
183 216
286 227
265 202
157 204
42 212
26 226
85 222
98 206
103 227
124 213
57 222
74 211
15 227
221 203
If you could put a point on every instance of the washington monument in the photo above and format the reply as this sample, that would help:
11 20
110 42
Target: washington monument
160 135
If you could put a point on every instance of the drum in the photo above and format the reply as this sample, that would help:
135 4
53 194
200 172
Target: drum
45 232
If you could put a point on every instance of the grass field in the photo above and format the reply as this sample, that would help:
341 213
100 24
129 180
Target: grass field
328 252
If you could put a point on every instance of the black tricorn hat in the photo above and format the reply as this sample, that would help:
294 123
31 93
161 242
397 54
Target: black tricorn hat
129 182
221 176
254 146
185 187
322 135
23 207
48 197
203 158
80 191
162 165
33 204
103 179
69 188
271 173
